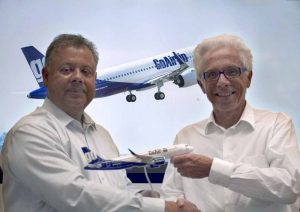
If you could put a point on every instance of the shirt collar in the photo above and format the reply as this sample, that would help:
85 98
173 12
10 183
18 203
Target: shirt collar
63 117
247 118
88 121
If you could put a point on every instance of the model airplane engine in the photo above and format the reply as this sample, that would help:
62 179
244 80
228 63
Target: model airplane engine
187 78
157 162
106 164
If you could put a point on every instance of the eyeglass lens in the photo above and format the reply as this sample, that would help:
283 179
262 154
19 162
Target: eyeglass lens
229 72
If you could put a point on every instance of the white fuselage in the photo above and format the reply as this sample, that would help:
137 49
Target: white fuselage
142 70
166 152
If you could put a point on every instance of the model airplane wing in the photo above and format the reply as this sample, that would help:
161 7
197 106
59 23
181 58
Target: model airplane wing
112 165
95 162
144 158
150 161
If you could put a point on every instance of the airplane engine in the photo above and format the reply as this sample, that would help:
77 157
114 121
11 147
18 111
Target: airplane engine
157 162
186 79
106 164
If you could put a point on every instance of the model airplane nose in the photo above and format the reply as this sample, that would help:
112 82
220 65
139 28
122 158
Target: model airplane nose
190 148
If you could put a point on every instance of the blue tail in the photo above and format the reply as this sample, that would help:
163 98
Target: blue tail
36 61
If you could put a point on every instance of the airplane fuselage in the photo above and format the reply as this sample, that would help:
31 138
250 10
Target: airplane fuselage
138 75
152 158
166 152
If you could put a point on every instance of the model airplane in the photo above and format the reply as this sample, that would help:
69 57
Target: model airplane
176 66
152 158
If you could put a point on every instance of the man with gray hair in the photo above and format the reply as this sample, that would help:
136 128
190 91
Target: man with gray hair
43 162
244 159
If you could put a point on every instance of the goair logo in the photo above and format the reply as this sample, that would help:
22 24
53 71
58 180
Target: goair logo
37 67
157 151
169 61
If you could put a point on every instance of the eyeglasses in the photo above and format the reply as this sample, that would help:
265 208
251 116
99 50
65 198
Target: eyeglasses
229 72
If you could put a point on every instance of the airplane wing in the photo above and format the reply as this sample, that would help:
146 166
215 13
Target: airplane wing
144 158
95 162
152 162
113 165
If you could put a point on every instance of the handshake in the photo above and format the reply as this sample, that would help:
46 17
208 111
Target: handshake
188 165
181 205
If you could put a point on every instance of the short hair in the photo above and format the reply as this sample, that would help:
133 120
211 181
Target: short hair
70 40
222 41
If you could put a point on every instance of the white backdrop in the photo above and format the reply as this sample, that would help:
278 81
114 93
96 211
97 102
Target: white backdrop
127 30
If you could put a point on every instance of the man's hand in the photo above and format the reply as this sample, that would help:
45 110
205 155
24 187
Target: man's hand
181 205
150 193
192 165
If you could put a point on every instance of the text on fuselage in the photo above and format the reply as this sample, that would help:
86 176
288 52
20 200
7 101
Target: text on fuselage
169 61
157 151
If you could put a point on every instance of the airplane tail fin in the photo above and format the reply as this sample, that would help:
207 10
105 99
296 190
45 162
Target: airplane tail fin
36 61
90 156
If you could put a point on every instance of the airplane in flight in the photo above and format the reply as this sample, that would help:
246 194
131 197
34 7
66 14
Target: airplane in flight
176 66
152 158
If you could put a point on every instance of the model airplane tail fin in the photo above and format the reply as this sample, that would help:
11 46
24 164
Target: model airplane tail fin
36 61
90 156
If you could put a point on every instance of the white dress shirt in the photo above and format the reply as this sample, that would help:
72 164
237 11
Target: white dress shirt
256 165
44 167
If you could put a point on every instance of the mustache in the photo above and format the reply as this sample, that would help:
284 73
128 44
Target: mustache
77 87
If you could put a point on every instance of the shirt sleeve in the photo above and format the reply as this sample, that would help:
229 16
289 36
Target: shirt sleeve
279 182
38 161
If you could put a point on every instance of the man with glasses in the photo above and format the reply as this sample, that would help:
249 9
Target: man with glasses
244 159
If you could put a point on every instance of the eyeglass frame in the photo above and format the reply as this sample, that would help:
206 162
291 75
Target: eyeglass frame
241 70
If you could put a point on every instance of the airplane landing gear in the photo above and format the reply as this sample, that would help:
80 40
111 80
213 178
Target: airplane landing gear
131 98
159 95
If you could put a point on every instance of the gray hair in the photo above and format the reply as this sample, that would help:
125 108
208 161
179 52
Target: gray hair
218 42
70 40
